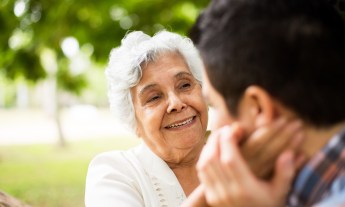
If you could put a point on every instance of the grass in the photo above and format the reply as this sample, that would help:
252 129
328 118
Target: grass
44 175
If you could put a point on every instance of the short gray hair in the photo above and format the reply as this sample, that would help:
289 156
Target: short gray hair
124 69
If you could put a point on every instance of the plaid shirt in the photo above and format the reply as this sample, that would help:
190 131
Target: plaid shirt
321 182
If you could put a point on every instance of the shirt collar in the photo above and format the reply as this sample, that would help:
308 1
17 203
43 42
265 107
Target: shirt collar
314 180
154 165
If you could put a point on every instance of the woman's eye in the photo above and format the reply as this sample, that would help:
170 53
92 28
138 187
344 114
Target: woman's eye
185 86
154 98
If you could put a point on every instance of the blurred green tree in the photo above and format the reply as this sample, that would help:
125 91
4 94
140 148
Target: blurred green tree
30 26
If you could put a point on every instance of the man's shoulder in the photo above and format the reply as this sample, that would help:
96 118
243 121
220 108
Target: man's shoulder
336 195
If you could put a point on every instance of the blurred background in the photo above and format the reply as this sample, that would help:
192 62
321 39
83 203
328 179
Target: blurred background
54 114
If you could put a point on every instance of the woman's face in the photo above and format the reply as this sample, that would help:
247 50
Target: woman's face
169 108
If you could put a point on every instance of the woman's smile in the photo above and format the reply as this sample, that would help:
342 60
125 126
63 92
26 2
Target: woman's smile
182 124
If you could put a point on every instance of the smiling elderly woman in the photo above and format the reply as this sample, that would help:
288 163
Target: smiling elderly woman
154 88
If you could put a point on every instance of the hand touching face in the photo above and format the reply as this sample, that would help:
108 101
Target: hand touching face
230 165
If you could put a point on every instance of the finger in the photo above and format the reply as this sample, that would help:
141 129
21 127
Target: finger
296 142
263 135
213 176
300 161
231 158
286 133
208 166
284 174
196 198
280 139
282 135
210 150
254 151
214 185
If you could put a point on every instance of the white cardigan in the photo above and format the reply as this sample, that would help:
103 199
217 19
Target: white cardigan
133 178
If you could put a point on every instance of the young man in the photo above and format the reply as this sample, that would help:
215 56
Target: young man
267 60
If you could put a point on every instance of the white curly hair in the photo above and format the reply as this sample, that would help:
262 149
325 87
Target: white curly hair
124 69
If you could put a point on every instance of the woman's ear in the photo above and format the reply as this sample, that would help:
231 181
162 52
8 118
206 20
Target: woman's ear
259 106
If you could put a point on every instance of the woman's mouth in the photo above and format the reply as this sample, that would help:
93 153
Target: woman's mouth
180 124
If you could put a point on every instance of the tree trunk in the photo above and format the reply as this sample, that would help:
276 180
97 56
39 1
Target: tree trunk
57 118
53 109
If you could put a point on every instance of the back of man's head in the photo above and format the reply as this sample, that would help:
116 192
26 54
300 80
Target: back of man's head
294 49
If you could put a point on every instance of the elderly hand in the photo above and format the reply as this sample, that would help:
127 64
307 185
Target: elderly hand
226 178
263 147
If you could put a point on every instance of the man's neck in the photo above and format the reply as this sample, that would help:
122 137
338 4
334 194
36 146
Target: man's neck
317 138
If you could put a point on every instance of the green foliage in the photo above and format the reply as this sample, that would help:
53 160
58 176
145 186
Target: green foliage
25 64
68 81
30 26
71 83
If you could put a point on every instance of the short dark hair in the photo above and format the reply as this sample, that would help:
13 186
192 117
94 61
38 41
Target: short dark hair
294 49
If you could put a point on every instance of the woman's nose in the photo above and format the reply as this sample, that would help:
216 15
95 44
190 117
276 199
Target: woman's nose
176 104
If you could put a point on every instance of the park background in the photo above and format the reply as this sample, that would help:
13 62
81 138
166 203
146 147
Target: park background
54 114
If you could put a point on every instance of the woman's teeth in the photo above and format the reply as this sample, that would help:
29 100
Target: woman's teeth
181 124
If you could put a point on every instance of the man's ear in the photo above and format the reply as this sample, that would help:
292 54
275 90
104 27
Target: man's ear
260 105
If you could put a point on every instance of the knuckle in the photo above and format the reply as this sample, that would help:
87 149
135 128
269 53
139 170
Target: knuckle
228 161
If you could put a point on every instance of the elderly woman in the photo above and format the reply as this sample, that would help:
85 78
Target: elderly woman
155 89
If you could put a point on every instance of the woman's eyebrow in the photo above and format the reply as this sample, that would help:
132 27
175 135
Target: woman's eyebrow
182 74
177 76
146 88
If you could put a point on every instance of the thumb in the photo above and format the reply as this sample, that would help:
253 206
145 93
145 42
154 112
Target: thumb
284 173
